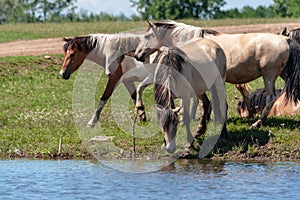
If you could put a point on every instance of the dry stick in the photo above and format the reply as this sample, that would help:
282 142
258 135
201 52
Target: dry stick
59 145
133 133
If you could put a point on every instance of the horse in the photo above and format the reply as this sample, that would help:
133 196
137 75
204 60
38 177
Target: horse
279 108
249 56
293 34
257 102
111 50
183 72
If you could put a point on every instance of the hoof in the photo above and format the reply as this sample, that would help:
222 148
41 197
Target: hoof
143 117
141 113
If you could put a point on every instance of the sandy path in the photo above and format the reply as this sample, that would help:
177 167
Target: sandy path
54 45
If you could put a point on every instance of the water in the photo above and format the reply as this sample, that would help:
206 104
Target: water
69 179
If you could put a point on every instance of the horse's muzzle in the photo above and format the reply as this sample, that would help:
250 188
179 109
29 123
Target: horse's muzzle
65 75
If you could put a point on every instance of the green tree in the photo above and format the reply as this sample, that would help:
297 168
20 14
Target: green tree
177 9
287 8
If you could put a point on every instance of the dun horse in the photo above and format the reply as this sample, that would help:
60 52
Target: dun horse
249 56
182 73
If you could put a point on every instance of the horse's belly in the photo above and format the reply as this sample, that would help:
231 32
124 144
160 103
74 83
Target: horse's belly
239 74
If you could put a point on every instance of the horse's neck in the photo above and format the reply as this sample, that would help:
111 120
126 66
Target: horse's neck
98 54
113 46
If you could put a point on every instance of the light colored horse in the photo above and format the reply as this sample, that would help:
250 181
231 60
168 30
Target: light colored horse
249 56
182 73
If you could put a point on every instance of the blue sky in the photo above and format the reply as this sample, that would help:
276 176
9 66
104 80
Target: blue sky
117 6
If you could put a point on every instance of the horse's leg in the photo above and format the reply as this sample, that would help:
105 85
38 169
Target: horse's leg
204 116
244 90
140 108
270 99
186 120
194 109
218 106
110 86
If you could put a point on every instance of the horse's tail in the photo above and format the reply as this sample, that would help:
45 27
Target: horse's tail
292 70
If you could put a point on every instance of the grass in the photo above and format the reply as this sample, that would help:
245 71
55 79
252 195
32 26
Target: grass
11 32
36 107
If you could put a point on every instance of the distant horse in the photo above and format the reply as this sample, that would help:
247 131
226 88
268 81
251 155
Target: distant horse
279 108
293 34
258 100
181 73
249 56
107 50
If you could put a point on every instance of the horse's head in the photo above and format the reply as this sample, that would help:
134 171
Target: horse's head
168 120
74 55
149 43
241 108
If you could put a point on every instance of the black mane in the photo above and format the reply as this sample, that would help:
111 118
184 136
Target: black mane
81 42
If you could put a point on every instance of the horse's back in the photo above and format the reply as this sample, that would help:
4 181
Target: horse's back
281 108
249 55
206 50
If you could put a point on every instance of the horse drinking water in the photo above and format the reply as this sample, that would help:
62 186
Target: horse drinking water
183 72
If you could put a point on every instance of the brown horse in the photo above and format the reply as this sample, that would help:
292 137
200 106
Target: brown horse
249 56
106 50
258 101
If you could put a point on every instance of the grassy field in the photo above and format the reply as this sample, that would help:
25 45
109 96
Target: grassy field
13 32
36 110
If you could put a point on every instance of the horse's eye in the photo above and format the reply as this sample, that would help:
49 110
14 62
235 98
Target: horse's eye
72 55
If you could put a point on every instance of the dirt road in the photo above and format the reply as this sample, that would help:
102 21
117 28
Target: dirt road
54 45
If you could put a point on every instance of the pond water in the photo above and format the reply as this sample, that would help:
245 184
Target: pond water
183 179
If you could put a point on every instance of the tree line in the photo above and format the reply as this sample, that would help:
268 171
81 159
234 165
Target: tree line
31 11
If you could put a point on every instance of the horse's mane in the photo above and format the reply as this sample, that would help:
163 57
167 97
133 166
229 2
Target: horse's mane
258 99
171 61
123 43
83 43
183 28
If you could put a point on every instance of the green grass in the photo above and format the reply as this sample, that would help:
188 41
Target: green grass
11 32
36 109
36 106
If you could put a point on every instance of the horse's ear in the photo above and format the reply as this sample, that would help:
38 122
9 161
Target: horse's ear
284 32
67 39
151 25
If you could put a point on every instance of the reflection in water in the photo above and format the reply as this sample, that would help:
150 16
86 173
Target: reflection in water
182 179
